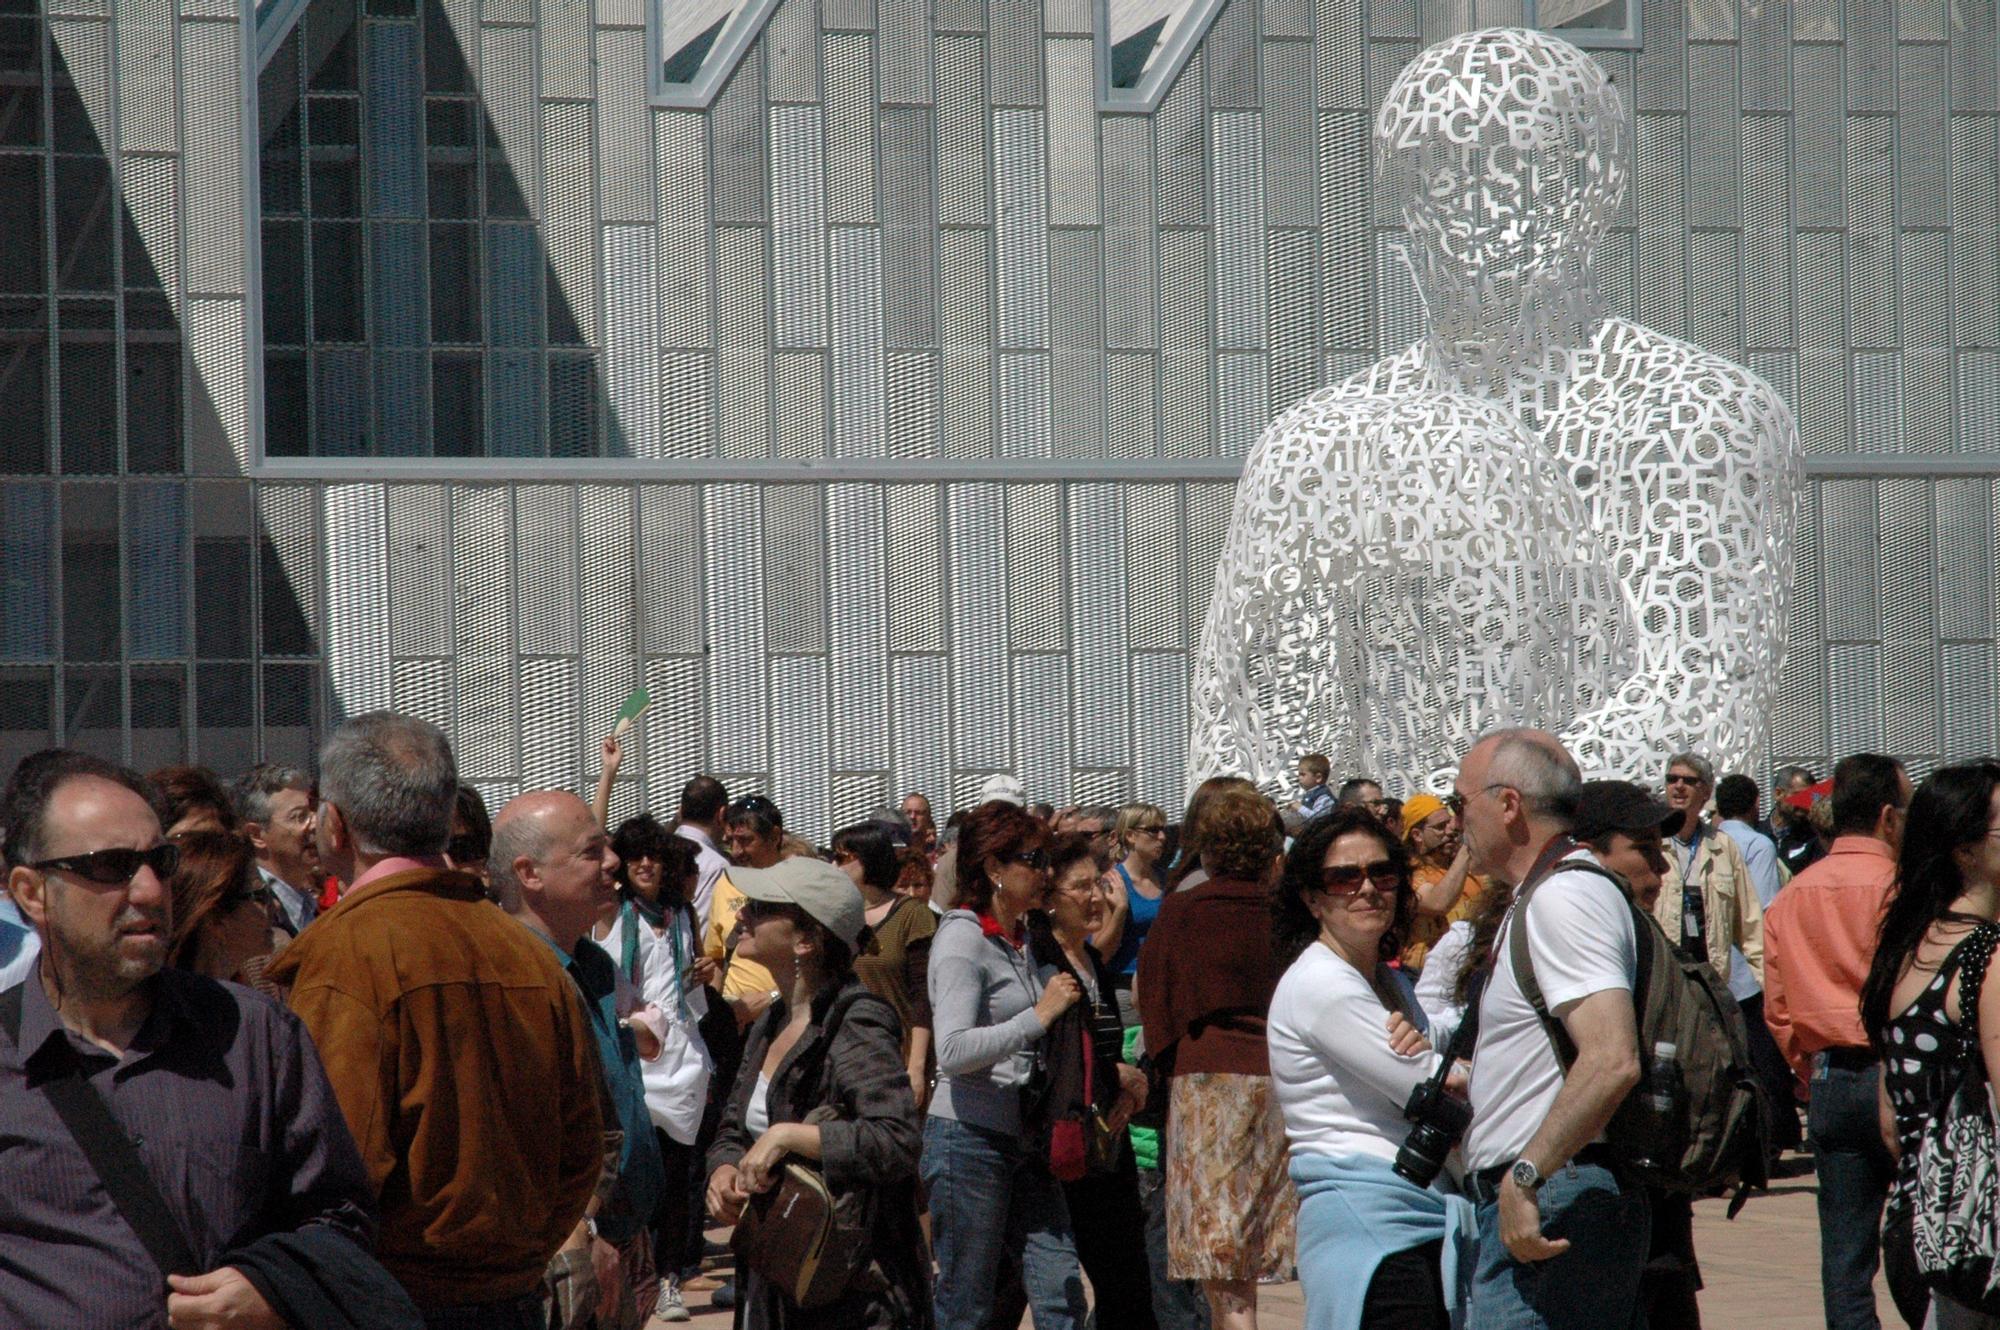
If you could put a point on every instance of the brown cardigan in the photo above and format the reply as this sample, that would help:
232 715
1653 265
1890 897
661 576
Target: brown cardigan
466 1068
1206 975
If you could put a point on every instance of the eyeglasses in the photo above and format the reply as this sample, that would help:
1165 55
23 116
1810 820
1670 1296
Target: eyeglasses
1035 859
1090 886
1149 831
1676 778
115 868
1346 879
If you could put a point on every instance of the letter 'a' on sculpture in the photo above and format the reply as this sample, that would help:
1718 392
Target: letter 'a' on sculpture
1539 514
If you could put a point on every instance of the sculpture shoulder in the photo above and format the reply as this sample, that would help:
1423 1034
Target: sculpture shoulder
1698 389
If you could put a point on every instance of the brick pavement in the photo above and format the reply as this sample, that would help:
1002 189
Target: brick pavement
1762 1269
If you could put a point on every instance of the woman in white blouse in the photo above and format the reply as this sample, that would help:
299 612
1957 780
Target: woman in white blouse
1375 1250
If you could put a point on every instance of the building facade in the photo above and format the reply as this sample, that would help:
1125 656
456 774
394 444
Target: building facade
868 378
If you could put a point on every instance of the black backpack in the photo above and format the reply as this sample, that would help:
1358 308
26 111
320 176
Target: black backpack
1699 1124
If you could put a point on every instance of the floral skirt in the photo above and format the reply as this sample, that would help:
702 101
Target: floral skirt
1231 1211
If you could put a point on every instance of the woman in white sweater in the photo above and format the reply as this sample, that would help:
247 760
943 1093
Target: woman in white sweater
1375 1249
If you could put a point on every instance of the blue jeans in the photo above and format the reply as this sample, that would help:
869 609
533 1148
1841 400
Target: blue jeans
1855 1171
991 1204
1592 1286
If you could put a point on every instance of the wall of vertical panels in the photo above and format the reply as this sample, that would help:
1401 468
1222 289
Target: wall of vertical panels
891 238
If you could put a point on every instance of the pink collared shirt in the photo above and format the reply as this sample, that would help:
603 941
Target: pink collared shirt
1819 940
396 863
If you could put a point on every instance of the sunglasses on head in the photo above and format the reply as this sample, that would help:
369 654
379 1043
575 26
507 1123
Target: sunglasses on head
1346 879
1035 859
752 803
114 868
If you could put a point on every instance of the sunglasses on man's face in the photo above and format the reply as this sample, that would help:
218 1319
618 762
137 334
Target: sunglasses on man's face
114 868
1346 879
1676 778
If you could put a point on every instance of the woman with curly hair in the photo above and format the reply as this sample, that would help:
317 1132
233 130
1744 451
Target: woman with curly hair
1204 985
1346 1052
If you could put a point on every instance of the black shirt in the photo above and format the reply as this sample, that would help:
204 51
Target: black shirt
223 1095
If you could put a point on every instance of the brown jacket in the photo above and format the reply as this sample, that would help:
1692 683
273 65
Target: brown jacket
464 1062
1206 975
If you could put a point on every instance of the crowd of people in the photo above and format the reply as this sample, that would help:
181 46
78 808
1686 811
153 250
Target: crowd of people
340 1049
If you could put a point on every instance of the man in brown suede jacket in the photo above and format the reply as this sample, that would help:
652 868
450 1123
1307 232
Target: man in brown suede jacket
456 1045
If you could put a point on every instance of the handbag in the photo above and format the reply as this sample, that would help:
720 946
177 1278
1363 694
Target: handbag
1955 1211
792 1237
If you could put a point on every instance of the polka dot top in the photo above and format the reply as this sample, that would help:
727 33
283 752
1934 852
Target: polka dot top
1926 1052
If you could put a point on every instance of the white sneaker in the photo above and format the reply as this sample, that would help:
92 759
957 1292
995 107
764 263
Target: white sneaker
668 1306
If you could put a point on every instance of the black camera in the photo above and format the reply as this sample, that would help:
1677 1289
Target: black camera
1441 1119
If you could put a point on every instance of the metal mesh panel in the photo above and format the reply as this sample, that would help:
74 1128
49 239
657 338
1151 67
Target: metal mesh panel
549 723
850 128
1909 629
631 357
1239 232
799 383
737 126
545 541
1340 64
1041 711
145 35
1964 525
961 130
1180 139
1821 130
1848 542
912 409
1854 675
915 570
735 615
1076 337
1967 702
920 727
1926 290
422 688
799 751
686 240
357 603
793 41
1073 122
909 237
419 565
1130 219
1098 583
979 675
854 795
1288 135
669 568
1159 684
857 543
858 424
1878 400
1023 255
1713 315
1022 429
213 110
626 177
798 240
1016 27
1714 197
1231 51
1871 55
744 338
1034 567
606 611
794 568
1153 542
1921 135
1975 48
1132 404
1979 401
907 52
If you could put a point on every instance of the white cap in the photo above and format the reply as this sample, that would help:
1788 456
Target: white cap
1005 789
814 885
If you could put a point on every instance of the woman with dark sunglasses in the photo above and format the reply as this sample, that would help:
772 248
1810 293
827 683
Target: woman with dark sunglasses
1345 1055
991 1196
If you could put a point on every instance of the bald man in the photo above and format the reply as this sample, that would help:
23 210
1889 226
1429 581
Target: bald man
1585 1229
551 866
457 1046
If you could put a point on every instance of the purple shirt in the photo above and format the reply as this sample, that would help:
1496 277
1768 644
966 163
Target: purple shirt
224 1097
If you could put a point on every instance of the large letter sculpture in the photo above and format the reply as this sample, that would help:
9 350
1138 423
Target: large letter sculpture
1539 514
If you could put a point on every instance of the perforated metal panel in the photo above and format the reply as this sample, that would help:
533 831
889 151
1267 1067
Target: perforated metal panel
799 770
858 421
1041 711
856 550
1098 617
1021 179
1035 568
850 128
979 671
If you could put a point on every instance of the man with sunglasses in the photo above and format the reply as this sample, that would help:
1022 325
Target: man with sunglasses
218 1094
1562 1236
1709 904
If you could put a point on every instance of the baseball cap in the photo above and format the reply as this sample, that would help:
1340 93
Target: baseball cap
1003 788
814 885
1618 805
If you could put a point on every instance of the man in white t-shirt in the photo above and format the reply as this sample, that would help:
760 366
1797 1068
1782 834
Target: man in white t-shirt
1562 1239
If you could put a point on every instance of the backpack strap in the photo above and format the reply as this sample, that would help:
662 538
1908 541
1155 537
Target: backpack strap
1521 957
1973 956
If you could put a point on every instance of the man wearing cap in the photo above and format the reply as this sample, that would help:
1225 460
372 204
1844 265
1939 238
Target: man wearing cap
1623 825
826 1043
999 788
1440 873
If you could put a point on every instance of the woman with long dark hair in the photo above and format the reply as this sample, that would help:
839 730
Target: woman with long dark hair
1938 925
895 962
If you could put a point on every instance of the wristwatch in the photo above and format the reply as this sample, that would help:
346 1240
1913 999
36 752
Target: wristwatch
1526 1176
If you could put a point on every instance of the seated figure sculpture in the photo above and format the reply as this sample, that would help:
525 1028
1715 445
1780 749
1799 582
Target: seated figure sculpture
1539 514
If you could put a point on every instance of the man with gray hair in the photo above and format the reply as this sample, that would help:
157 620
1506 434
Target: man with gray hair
1535 1162
277 811
456 1044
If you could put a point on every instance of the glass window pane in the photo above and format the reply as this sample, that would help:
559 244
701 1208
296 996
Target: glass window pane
337 281
457 410
455 283
340 391
89 411
27 714
27 589
153 407
284 283
93 599
21 225
24 403
94 712
156 547
222 598
159 716
85 207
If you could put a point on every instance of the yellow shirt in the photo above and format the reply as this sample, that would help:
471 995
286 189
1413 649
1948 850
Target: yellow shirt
1429 927
743 977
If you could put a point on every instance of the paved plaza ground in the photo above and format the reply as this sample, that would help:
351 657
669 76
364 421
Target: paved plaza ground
1762 1268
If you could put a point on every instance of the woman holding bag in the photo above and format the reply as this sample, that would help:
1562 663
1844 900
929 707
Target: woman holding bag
822 1082
1093 1093
1937 938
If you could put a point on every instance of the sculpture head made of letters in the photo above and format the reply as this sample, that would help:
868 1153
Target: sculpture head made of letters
1503 152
